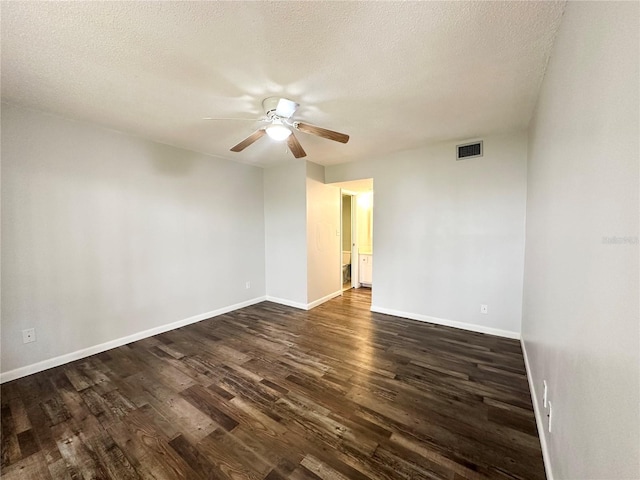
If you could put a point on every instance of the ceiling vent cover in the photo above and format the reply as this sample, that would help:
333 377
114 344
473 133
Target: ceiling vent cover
469 150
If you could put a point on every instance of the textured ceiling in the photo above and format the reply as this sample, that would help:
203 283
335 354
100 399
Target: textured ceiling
392 75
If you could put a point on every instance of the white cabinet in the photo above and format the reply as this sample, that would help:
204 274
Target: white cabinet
366 269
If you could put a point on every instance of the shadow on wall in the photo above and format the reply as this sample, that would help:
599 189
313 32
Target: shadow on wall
170 161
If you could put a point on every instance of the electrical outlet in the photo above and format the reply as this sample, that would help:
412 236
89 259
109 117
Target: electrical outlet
29 335
247 285
544 394
484 309
550 415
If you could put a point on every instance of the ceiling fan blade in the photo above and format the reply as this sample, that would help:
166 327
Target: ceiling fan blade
295 147
321 132
234 118
286 108
249 140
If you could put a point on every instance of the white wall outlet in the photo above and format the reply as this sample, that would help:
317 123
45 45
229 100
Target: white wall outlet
29 335
484 309
247 285
550 415
544 393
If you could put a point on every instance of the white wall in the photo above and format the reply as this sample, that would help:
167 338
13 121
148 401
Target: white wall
285 207
581 311
302 216
324 256
448 236
106 235
364 222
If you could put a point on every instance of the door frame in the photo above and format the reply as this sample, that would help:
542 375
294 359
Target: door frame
354 238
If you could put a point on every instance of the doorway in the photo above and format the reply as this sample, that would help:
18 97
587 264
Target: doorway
348 242
356 227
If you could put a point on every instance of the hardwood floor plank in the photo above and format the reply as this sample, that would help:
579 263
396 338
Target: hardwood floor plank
269 392
200 398
10 447
33 467
173 408
322 470
80 458
28 443
232 458
146 437
434 457
141 451
21 422
191 455
301 473
112 458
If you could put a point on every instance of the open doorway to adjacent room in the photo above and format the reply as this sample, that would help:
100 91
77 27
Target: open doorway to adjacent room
347 238
356 256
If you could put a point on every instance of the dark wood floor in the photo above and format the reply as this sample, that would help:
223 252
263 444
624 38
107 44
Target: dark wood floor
271 392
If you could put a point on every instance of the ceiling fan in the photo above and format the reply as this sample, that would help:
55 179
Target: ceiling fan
279 113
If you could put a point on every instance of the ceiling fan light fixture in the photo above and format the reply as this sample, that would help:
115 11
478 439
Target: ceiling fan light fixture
280 126
278 132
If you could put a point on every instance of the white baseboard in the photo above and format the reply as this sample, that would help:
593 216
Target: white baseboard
288 303
86 352
304 306
447 323
538 414
323 299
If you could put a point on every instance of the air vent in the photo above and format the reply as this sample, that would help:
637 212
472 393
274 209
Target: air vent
469 150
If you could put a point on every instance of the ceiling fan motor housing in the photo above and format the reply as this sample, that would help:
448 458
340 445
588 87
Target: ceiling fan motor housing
279 107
